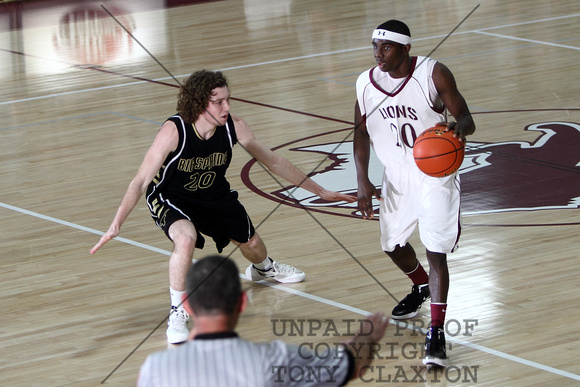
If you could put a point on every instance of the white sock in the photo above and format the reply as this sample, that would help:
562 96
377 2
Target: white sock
176 298
266 264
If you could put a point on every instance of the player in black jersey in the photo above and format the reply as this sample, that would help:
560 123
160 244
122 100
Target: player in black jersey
183 173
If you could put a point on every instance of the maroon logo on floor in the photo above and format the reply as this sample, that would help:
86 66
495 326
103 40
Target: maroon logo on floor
496 177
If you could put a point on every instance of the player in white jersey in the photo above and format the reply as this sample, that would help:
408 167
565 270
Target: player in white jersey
215 355
396 101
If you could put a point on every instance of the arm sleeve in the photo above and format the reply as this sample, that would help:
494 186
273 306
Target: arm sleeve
361 84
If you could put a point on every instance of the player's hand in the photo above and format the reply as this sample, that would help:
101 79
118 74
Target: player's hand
333 196
378 324
456 129
110 234
372 329
365 194
460 131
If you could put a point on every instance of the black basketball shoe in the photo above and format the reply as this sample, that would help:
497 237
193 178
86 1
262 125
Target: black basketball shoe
435 350
409 306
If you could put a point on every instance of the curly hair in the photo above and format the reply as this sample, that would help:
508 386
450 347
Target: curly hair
194 95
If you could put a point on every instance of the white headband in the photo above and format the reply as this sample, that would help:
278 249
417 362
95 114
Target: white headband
392 36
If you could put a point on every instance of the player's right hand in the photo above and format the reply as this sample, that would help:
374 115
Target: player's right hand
379 324
365 194
110 234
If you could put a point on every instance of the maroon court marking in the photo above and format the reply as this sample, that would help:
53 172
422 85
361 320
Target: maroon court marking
292 202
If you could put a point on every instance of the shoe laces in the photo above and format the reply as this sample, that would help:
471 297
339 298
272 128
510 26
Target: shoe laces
436 338
281 268
178 315
415 298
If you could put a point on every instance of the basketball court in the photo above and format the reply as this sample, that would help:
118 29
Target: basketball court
81 101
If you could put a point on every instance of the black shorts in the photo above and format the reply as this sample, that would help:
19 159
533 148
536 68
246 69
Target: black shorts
222 219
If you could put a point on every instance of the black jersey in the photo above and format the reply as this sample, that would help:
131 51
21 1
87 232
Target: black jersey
196 170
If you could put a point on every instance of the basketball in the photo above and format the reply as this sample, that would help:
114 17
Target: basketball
437 153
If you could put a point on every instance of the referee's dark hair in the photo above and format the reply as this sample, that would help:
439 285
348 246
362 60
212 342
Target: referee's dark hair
213 286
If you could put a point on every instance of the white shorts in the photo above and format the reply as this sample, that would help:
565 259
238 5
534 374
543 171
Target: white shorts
409 198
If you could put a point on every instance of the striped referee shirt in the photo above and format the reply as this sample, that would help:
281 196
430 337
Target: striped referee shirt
224 359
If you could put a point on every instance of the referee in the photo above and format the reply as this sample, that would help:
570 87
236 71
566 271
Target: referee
215 355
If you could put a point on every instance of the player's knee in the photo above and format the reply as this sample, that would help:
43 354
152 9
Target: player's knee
402 253
185 242
254 242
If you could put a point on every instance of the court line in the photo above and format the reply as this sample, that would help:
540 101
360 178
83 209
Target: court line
159 80
554 18
70 92
528 40
88 115
82 228
286 289
311 297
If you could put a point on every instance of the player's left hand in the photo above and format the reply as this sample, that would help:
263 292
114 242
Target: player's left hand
463 127
333 196
455 128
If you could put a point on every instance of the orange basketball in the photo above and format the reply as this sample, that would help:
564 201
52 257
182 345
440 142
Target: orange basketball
437 153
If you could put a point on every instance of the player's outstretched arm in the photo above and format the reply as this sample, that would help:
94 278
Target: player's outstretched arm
165 142
129 201
282 166
362 149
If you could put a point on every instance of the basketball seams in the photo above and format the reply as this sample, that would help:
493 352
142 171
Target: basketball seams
454 150
437 158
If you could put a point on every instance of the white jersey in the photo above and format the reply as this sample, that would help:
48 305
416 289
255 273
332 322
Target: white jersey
398 110
227 360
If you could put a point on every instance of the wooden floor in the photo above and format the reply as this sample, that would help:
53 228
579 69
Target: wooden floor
81 101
